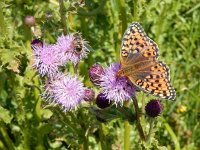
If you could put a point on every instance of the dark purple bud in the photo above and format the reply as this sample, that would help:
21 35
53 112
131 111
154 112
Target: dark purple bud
153 108
89 95
102 101
30 20
36 42
95 72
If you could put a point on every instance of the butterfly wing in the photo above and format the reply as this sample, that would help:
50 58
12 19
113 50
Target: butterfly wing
136 44
139 60
154 79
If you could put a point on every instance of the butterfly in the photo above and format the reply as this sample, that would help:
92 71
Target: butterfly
139 62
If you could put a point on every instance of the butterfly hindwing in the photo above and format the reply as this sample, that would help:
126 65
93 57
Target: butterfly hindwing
154 80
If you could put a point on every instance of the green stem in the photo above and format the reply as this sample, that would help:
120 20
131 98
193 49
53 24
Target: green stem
85 144
102 137
143 110
135 10
2 146
150 129
63 16
139 127
2 22
76 71
127 130
123 16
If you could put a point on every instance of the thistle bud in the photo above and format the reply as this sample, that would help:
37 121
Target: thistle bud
30 20
102 101
95 72
89 95
153 108
36 42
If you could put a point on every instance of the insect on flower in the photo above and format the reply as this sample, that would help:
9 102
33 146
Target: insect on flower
80 44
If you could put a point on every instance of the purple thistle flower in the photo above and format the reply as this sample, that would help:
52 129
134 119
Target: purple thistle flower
66 91
116 88
69 44
47 59
153 108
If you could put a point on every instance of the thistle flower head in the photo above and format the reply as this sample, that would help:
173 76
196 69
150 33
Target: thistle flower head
116 88
46 60
153 108
73 47
66 90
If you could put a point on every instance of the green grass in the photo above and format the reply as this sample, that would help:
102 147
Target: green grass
26 120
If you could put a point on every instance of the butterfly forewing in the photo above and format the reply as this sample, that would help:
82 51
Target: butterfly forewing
139 62
136 43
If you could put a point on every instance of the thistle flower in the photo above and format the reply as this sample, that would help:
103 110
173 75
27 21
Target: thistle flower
153 108
89 95
116 88
66 91
47 60
95 72
102 101
29 20
73 47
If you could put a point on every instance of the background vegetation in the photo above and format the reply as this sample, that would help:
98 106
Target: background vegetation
28 122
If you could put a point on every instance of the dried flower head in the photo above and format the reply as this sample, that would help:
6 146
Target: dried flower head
153 108
116 88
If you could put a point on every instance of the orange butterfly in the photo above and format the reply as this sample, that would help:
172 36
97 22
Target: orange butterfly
139 62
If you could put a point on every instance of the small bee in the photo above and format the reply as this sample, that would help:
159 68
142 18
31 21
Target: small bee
80 44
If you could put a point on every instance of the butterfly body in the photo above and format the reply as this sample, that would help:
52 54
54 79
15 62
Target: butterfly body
139 62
